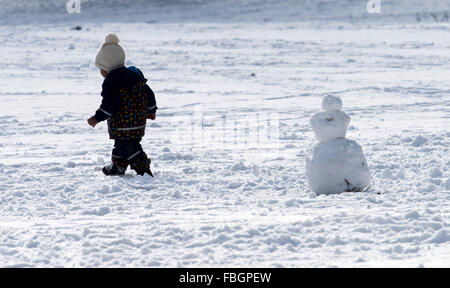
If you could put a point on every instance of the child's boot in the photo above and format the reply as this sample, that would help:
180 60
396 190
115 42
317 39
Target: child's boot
141 164
117 167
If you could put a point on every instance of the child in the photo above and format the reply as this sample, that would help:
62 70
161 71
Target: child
127 104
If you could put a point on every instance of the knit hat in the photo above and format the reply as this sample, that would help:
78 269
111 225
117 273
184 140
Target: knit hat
111 55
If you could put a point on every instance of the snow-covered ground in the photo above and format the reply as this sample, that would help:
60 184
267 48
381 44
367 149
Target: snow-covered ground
214 203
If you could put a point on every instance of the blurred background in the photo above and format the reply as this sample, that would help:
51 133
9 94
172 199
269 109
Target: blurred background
405 11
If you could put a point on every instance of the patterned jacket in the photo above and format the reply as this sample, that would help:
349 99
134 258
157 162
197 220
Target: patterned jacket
127 101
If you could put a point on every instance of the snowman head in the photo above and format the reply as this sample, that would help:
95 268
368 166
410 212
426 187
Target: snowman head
331 103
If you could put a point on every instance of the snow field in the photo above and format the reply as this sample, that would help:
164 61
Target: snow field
219 206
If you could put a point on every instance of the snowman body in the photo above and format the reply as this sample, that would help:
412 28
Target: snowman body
338 164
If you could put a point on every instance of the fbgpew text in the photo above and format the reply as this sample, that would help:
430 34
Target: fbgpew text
227 277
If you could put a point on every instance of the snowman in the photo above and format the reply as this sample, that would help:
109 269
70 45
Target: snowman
338 164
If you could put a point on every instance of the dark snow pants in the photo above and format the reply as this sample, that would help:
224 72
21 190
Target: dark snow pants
130 152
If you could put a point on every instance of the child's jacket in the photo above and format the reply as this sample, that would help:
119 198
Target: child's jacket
127 101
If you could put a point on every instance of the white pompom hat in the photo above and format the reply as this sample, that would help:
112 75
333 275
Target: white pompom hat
111 54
